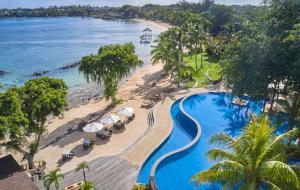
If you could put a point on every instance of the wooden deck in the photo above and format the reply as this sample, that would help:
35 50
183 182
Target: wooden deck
107 173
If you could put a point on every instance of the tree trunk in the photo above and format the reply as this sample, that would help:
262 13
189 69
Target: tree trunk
84 176
196 58
30 160
201 59
273 98
264 107
277 92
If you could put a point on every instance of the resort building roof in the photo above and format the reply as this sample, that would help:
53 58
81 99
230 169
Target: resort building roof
12 175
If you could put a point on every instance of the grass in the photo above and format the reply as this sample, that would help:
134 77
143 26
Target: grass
210 65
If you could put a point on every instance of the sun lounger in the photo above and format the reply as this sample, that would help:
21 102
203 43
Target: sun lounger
67 154
87 143
240 102
104 134
131 117
119 125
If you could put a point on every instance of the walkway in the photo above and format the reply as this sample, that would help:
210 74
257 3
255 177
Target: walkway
107 173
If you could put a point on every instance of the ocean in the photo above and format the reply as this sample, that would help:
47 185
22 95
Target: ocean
29 45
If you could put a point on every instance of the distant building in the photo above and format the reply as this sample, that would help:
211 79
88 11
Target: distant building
13 177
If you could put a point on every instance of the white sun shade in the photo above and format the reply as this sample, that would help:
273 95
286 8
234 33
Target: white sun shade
110 119
127 111
93 127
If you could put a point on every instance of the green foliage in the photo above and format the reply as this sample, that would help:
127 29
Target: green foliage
265 52
87 186
170 51
110 66
139 187
53 177
292 107
244 66
24 110
196 36
82 166
210 65
253 160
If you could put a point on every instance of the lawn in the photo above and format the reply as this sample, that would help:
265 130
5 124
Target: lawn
210 65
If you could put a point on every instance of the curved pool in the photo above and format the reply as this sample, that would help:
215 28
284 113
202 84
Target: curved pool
215 113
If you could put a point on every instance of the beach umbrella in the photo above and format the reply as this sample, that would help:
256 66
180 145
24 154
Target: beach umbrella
93 127
110 119
127 111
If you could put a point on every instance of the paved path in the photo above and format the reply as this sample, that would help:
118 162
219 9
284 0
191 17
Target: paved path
107 173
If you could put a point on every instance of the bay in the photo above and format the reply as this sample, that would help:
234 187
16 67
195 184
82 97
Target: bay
29 45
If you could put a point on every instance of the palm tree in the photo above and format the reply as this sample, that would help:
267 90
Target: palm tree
170 51
87 186
197 35
162 53
82 166
53 177
252 161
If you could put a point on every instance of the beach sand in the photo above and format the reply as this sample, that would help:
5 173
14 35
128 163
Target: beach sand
146 85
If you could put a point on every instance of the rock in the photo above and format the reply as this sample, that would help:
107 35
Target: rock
2 73
40 73
66 67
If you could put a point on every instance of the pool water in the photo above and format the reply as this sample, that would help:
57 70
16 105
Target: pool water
215 113
178 138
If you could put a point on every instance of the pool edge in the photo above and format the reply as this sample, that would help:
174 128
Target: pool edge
163 140
152 182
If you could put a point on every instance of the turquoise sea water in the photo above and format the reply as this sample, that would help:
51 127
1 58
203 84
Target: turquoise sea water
30 45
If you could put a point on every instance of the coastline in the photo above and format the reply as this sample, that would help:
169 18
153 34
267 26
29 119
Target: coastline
139 88
83 96
162 25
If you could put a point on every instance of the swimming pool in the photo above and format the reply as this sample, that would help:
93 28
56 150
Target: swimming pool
215 113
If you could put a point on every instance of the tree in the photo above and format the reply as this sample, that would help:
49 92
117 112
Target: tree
170 51
53 177
162 54
292 107
197 34
87 186
254 160
82 166
244 64
24 111
110 66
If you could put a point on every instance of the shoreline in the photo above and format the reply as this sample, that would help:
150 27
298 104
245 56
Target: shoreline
93 93
142 86
145 85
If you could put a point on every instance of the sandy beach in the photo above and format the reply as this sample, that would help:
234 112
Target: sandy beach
146 85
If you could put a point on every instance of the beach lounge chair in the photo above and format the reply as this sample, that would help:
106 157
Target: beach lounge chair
131 117
104 134
67 155
119 125
87 143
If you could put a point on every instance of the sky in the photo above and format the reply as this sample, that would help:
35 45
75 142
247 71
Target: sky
46 3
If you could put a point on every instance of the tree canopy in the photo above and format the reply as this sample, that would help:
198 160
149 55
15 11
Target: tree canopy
265 52
110 66
254 160
24 110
